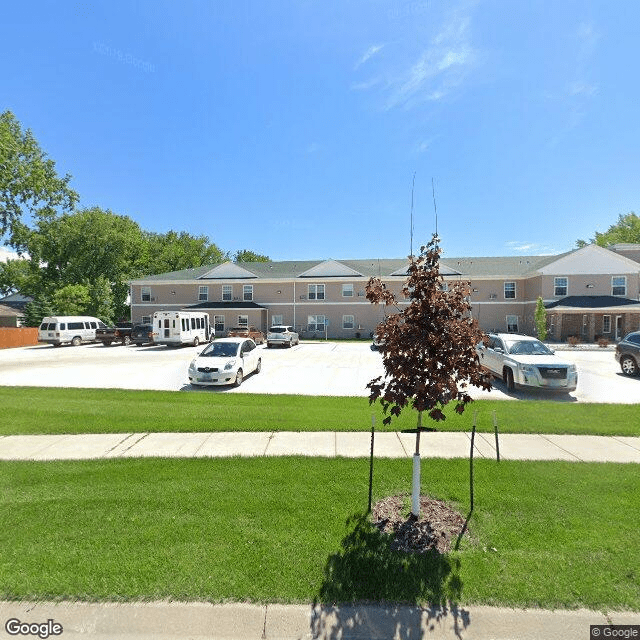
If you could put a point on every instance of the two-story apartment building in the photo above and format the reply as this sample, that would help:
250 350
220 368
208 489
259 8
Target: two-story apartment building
588 292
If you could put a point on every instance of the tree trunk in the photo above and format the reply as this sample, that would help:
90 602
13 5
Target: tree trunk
415 494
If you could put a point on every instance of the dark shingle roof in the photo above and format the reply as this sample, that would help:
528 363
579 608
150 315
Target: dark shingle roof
592 302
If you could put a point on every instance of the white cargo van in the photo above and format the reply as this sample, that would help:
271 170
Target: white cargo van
58 330
180 327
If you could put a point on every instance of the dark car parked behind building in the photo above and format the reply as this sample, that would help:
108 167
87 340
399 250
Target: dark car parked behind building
628 353
141 334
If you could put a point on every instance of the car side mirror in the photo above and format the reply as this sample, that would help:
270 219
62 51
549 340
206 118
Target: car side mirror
498 350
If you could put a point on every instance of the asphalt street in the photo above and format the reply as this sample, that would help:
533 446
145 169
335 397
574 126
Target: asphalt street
311 368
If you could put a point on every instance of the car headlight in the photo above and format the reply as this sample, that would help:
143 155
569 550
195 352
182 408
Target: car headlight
229 365
528 368
572 368
192 366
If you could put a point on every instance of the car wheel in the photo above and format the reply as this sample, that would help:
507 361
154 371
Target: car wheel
628 366
107 343
126 341
238 381
77 341
196 342
290 343
507 377
259 365
268 345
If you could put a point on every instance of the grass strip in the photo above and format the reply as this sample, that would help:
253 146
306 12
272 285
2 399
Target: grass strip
34 410
553 535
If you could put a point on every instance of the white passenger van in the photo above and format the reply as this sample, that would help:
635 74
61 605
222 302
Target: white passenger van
180 327
57 330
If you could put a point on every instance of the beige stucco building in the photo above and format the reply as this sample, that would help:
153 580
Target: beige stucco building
590 292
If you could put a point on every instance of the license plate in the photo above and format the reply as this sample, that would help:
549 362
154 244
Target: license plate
206 377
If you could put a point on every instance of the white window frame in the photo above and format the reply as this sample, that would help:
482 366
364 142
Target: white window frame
247 292
511 289
348 321
313 321
218 321
243 321
227 292
606 324
347 290
276 320
619 286
512 324
145 294
557 286
316 292
203 293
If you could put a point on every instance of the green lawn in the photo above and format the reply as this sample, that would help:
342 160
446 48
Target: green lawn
291 530
27 410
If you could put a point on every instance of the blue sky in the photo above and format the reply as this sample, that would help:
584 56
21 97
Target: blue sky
295 128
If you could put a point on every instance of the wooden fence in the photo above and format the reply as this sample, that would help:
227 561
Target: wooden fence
18 337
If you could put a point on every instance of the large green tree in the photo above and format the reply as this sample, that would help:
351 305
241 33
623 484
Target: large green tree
245 255
29 184
173 251
627 229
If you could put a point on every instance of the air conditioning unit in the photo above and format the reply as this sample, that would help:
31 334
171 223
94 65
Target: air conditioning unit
152 299
303 297
360 294
493 296
236 299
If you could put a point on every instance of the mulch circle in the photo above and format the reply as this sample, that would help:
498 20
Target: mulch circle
439 524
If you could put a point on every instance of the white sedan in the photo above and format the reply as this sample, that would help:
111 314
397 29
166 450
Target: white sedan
225 361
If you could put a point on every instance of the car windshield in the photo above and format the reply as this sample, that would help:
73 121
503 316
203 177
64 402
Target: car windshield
221 350
277 329
529 348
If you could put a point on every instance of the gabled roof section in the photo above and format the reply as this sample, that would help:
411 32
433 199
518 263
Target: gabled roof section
227 271
445 270
592 302
592 260
331 269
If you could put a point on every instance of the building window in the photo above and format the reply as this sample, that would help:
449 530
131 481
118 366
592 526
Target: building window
218 324
347 291
560 287
146 294
243 321
203 293
512 324
509 290
619 286
145 320
316 323
444 286
276 320
348 322
606 324
316 292
227 292
247 292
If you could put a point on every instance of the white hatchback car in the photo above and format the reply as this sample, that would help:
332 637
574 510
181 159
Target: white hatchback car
282 334
523 361
225 361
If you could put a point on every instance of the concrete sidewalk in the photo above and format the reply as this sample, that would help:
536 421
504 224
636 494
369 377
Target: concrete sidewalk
319 444
199 621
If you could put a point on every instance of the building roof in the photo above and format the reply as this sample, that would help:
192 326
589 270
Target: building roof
226 305
465 268
601 303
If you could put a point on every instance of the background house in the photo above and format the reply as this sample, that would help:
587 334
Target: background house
589 292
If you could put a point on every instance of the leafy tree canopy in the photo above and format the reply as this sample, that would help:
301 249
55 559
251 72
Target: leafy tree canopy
627 229
29 183
244 255
429 346
174 251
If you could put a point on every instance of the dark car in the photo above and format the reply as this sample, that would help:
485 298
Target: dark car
141 334
628 354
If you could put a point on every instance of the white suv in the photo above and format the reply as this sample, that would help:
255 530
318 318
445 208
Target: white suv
282 334
523 361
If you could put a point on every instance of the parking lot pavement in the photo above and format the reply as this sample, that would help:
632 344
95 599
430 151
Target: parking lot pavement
311 368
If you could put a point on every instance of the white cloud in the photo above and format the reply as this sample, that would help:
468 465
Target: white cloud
6 254
439 68
534 248
371 51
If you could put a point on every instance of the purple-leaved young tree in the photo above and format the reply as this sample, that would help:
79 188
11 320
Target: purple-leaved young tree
428 348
